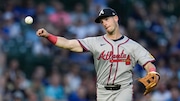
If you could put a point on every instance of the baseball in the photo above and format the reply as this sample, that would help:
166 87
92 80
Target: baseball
28 20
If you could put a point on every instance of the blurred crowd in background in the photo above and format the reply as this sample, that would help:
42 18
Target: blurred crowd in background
32 69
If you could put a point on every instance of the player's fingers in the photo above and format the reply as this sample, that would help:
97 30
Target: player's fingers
40 32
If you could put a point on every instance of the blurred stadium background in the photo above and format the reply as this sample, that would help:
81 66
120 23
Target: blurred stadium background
32 69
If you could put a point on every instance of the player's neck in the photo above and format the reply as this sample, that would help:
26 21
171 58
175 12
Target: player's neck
115 35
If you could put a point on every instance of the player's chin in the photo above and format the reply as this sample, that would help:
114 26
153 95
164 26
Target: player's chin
108 29
110 32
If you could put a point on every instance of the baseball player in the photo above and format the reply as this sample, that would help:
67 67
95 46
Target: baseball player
114 54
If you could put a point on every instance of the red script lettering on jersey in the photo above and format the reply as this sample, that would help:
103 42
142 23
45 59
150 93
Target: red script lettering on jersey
110 55
122 57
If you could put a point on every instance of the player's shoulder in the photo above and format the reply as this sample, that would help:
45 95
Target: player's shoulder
91 40
94 37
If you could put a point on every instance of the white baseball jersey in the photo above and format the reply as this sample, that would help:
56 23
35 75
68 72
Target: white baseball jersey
114 60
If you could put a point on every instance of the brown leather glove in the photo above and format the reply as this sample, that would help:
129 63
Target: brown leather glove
150 81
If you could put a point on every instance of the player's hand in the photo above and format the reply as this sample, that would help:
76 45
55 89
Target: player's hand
42 33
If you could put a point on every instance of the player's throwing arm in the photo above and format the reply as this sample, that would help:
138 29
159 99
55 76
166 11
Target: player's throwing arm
72 45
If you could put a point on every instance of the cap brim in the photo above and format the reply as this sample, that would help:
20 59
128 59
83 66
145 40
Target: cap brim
97 20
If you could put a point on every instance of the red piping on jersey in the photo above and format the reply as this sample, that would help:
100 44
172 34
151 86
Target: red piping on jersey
82 46
118 62
109 73
112 59
148 62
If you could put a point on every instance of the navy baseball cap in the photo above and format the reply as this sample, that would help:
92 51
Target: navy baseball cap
107 12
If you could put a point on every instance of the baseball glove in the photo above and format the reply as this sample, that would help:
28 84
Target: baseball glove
149 81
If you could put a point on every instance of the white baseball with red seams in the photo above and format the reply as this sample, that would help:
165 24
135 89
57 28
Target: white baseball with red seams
114 62
28 20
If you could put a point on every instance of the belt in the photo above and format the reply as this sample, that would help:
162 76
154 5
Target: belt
113 87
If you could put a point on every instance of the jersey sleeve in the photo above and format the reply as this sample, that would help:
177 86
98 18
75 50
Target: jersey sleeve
87 44
142 56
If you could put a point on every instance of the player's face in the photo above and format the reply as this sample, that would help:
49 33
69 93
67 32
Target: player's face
109 24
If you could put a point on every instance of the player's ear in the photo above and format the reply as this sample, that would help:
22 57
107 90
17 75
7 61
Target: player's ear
116 18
